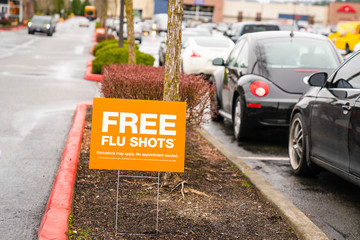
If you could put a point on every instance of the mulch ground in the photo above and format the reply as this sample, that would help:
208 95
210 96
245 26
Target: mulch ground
210 200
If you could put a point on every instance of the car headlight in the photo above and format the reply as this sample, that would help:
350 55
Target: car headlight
29 24
47 26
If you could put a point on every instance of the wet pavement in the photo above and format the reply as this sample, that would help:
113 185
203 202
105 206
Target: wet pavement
329 201
41 83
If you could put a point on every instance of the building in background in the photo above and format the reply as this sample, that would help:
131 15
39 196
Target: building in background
203 10
341 11
236 11
12 10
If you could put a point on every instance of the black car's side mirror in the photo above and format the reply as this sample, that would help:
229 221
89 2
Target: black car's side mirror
218 62
317 79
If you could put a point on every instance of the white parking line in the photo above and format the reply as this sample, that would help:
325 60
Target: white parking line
265 158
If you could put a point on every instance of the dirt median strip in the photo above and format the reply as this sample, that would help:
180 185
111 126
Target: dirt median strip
303 226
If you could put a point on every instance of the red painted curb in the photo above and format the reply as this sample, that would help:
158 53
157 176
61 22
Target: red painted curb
12 29
92 49
90 76
54 224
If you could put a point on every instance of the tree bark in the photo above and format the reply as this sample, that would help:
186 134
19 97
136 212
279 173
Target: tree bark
103 13
130 31
173 50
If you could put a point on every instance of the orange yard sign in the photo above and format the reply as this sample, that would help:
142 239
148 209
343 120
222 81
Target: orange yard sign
138 135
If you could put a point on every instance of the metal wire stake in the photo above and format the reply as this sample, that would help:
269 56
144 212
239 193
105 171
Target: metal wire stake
157 205
117 202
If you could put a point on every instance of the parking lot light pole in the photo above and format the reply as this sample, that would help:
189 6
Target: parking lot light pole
121 28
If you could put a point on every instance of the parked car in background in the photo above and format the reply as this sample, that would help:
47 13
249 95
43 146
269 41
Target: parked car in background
357 47
209 26
320 29
161 22
287 25
346 35
199 52
262 79
222 27
148 26
186 33
113 24
84 22
43 23
137 32
241 28
325 124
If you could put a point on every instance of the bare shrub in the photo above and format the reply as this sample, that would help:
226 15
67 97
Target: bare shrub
146 82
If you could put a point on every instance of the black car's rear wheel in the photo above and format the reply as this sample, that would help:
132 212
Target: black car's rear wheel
239 121
297 147
215 107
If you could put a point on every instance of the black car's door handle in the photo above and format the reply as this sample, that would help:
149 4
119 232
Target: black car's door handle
346 106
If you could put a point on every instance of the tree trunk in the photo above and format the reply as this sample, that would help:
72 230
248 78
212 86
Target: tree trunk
173 50
130 31
172 62
103 13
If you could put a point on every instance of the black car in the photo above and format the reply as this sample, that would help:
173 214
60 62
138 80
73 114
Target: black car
44 24
325 124
238 29
262 79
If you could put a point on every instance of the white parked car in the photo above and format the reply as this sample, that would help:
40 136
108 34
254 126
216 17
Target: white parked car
199 52
357 47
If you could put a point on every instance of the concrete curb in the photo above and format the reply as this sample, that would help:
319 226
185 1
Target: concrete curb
90 76
54 224
302 225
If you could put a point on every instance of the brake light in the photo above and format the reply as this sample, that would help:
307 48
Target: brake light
194 54
254 105
259 88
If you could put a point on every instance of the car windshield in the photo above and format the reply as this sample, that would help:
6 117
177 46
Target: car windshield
296 53
40 20
212 42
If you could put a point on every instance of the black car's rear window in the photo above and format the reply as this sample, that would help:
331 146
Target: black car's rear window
297 53
259 28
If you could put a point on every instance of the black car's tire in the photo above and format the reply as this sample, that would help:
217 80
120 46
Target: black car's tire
298 147
31 32
347 49
49 34
241 130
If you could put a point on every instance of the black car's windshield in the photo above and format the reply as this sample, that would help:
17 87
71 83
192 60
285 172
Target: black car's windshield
296 53
259 28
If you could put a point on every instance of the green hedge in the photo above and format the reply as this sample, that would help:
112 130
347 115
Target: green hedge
111 45
117 56
103 44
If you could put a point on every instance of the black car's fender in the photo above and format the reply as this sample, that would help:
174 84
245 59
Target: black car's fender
218 78
243 86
